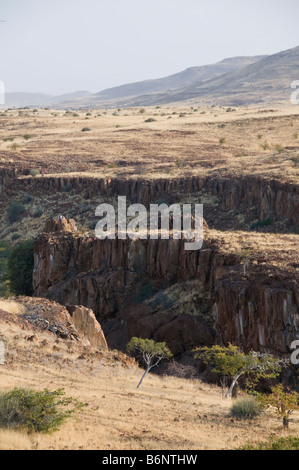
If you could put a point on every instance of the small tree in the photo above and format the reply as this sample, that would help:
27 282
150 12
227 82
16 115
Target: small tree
149 352
233 363
15 211
284 401
20 268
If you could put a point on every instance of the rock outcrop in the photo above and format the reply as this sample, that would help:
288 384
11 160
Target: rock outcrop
75 323
87 325
269 199
61 224
256 310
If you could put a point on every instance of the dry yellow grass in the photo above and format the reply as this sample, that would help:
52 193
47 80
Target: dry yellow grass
11 306
167 413
181 141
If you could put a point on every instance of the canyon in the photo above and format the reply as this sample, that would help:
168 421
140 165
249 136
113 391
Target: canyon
243 285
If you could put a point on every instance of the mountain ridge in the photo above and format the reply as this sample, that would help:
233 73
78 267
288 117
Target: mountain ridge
241 80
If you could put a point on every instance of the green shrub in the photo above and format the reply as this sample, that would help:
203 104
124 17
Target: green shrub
27 198
68 187
295 160
37 213
274 443
20 268
162 301
265 146
150 120
86 129
15 236
15 211
280 149
27 136
261 224
37 411
246 408
34 172
145 293
14 146
5 250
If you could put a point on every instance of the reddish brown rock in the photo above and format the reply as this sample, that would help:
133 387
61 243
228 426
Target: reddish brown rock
87 325
260 311
61 224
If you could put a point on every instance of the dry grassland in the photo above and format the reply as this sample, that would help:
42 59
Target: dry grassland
167 413
180 141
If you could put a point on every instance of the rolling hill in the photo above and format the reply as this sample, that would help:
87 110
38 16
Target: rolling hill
234 81
150 92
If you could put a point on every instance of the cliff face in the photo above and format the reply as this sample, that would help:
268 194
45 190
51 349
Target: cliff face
7 179
258 310
268 199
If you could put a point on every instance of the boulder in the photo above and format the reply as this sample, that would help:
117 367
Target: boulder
87 325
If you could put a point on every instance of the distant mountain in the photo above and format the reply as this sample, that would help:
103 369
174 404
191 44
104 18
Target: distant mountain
263 79
266 81
147 91
21 100
233 81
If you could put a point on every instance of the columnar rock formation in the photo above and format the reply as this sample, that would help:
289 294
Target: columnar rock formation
269 198
259 310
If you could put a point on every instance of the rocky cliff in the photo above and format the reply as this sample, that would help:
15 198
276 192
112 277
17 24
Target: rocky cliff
123 280
267 199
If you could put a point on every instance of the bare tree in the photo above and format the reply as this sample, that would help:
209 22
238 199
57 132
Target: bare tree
149 352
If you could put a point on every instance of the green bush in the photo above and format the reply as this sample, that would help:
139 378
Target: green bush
145 293
15 236
27 198
5 250
246 408
86 129
34 172
15 212
283 443
20 268
37 213
27 136
150 120
37 411
261 224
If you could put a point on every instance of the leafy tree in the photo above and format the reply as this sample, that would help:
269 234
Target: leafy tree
231 362
149 352
20 268
284 401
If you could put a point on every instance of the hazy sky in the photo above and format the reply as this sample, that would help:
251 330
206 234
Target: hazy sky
59 46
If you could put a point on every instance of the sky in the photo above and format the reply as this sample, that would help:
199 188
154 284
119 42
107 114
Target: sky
60 46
